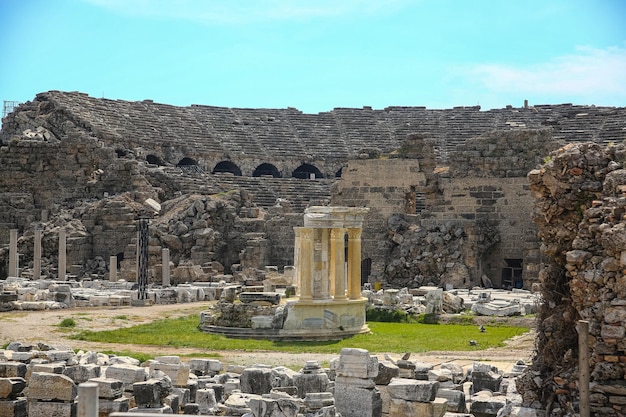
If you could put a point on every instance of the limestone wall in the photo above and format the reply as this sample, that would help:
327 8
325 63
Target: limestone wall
579 211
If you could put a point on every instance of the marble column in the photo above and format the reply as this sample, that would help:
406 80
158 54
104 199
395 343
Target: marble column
13 253
37 255
165 266
354 264
296 258
337 261
113 268
306 262
62 255
326 284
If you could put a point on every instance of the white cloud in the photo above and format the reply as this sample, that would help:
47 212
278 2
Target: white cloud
590 74
246 11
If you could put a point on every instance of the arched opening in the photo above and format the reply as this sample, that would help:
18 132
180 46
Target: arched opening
266 169
189 165
307 171
154 160
227 166
339 172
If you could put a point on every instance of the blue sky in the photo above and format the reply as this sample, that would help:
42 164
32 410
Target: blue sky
315 55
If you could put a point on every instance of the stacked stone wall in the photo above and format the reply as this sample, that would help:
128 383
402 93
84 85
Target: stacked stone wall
579 211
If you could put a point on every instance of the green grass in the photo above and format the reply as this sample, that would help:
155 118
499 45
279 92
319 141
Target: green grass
384 337
67 323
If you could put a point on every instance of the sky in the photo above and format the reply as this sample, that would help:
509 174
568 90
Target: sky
316 55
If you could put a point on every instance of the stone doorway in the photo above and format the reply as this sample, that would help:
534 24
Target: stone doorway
512 274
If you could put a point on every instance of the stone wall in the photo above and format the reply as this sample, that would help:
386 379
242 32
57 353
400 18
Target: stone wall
579 211
483 197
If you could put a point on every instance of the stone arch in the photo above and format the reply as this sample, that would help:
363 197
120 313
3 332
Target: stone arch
339 172
154 160
186 161
306 171
266 169
189 165
227 166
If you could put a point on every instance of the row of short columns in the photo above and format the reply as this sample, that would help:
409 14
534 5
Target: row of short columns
62 266
305 246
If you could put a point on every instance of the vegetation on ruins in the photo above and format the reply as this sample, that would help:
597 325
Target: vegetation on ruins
384 337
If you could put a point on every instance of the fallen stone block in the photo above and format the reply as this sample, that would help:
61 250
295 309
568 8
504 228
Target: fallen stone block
51 408
12 370
455 399
107 406
14 408
413 390
108 387
267 407
51 387
256 380
10 388
403 408
202 367
151 393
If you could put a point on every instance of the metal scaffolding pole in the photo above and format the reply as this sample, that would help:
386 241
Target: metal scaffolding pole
142 258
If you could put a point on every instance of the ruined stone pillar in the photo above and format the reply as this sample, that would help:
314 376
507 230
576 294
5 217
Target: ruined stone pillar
306 261
62 255
337 261
354 264
165 266
113 268
37 255
13 261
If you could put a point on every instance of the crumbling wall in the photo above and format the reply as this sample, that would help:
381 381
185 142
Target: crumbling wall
579 211
468 218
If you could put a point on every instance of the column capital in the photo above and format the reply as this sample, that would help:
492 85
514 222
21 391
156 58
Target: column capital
337 233
354 233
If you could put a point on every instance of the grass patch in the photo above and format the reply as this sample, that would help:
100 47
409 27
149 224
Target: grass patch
69 322
384 337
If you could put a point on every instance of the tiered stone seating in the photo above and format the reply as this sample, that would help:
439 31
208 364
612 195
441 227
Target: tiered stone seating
340 134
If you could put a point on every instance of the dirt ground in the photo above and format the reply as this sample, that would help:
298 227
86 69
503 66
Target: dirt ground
43 326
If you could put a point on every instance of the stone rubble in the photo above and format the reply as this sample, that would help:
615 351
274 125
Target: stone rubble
352 386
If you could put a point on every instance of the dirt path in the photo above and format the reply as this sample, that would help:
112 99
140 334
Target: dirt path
43 326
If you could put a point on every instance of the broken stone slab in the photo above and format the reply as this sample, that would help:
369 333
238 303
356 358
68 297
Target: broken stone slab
237 404
500 310
10 388
107 406
317 400
177 372
455 399
82 373
387 370
412 389
128 374
267 407
486 405
353 400
256 380
206 400
485 377
356 363
311 382
151 393
402 408
272 298
51 408
14 408
108 388
143 411
283 377
51 387
13 370
202 367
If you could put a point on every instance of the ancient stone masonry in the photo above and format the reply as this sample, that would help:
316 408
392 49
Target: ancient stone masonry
580 205
85 165
455 224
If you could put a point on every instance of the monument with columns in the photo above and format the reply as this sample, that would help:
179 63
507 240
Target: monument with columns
327 256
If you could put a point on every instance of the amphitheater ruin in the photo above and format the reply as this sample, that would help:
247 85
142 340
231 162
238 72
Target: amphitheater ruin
528 198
